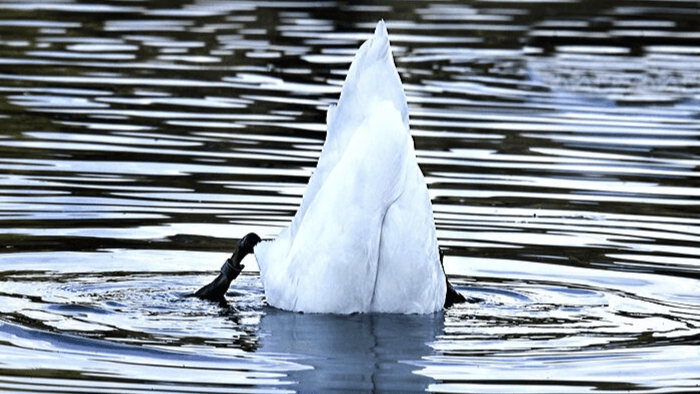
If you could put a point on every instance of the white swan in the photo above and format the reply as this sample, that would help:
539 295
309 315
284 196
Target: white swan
364 237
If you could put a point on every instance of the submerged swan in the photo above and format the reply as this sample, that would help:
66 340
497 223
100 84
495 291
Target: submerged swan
364 237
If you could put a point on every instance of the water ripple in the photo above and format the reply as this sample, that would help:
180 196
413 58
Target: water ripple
558 139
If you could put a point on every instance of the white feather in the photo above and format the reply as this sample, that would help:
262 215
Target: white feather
364 237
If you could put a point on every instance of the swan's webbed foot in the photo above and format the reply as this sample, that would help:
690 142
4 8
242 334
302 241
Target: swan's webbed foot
216 290
453 296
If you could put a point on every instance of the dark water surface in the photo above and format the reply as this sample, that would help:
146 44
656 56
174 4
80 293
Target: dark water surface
140 140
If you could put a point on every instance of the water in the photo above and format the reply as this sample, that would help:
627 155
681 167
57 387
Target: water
140 140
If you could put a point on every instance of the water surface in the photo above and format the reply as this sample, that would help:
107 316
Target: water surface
140 140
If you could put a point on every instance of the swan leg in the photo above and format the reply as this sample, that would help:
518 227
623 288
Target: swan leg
453 296
216 290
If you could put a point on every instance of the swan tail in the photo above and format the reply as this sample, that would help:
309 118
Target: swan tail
371 81
372 78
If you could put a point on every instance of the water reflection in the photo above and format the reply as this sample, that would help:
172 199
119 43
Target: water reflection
348 353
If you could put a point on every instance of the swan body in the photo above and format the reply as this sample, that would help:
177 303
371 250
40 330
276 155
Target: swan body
363 239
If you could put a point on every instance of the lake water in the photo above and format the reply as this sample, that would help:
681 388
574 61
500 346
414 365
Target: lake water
139 140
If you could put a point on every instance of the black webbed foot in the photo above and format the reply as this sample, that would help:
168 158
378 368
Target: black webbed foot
453 296
216 290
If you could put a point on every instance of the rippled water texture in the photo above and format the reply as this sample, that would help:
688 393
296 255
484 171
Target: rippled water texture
140 140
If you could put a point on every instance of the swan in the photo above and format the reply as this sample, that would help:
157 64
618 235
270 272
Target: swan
363 239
